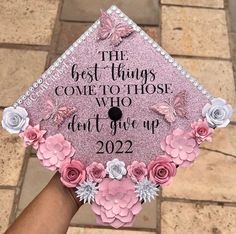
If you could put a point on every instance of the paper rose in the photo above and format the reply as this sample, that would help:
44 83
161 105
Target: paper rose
96 172
201 131
218 113
116 202
116 169
161 170
54 151
72 173
33 136
86 191
146 190
15 120
137 171
181 147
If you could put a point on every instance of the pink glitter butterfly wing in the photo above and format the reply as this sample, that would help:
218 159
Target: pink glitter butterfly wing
179 104
165 109
106 26
120 31
62 114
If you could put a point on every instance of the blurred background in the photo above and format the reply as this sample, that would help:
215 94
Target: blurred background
200 34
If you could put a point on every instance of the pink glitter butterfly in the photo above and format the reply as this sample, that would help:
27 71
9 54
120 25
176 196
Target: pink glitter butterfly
173 108
58 113
109 30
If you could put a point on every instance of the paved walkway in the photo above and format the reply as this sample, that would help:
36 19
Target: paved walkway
34 33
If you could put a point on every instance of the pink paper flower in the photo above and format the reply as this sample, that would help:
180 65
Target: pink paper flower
181 147
201 131
116 203
161 170
96 172
137 171
72 173
55 150
33 136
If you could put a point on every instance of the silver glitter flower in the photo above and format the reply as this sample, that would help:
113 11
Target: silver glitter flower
86 191
146 190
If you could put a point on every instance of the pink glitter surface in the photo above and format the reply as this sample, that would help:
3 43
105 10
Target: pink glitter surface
142 55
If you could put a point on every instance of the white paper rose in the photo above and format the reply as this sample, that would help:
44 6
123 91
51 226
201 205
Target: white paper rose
116 169
15 119
217 113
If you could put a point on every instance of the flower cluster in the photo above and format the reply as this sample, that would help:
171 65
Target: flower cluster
116 190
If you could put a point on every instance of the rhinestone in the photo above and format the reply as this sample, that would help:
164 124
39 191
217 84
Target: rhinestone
23 97
150 41
60 60
204 91
187 76
130 22
208 96
195 83
179 67
200 87
109 11
175 64
63 56
86 33
171 60
126 18
27 93
138 29
183 72
52 68
167 56
145 37
141 33
154 44
68 52
31 89
113 8
35 85
158 49
15 105
19 101
82 37
71 49
44 76
121 15
163 52
39 81
118 11
191 80
90 29
56 64
95 26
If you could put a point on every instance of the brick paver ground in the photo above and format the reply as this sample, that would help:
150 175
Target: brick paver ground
202 37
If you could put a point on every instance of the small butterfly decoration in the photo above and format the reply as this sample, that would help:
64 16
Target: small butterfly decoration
109 30
58 113
173 108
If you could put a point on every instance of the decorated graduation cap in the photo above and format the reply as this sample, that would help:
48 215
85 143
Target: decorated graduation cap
117 116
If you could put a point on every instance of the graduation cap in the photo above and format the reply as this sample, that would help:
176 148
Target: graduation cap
117 116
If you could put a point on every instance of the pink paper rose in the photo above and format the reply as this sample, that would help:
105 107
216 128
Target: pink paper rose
96 172
116 203
201 131
55 150
33 136
181 147
161 170
72 173
137 171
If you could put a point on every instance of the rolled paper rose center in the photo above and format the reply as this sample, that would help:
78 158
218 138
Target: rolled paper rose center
218 113
14 120
202 131
32 135
138 171
72 174
96 171
162 172
116 169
